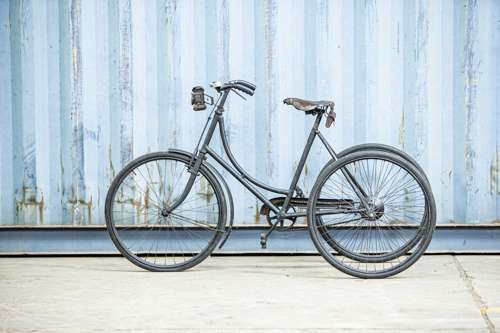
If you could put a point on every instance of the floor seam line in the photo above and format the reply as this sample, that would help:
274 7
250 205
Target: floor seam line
466 278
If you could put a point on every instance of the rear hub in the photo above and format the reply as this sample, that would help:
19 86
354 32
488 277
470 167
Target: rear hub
375 209
165 212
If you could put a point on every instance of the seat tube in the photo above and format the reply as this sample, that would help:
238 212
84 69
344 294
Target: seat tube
302 162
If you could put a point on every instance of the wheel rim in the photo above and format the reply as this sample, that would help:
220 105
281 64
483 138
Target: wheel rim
145 226
365 244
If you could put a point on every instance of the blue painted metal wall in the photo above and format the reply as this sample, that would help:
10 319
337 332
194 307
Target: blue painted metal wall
85 86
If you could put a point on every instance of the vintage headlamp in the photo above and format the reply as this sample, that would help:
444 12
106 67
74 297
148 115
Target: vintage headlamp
198 98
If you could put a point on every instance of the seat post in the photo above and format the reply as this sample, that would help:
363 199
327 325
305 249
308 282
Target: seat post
317 121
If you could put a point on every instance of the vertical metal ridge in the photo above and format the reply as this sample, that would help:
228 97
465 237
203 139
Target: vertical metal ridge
421 92
7 181
270 85
459 113
471 77
359 73
126 81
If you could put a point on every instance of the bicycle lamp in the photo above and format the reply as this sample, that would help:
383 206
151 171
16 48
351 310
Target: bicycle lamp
198 98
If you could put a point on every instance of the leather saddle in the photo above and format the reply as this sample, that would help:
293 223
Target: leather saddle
313 107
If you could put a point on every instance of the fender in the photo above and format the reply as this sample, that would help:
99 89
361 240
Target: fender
227 191
379 147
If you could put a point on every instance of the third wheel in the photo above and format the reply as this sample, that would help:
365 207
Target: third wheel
382 219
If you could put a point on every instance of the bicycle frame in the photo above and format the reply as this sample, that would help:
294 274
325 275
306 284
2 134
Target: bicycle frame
253 184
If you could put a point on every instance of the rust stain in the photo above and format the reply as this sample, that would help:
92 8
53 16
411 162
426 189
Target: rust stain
206 191
76 204
257 212
146 198
111 167
137 205
29 202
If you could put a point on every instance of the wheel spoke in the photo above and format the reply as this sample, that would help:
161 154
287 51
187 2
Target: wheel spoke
151 235
385 236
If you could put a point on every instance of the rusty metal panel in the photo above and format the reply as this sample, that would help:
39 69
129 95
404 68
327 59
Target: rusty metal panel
85 86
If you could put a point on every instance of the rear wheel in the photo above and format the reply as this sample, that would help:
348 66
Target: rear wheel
143 226
389 149
384 239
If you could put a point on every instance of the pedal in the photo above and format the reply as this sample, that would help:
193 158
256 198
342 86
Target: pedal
263 241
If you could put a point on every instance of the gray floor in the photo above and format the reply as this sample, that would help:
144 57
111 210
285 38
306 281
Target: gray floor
247 294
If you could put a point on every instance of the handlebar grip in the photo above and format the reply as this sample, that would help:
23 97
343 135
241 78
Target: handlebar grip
247 84
243 89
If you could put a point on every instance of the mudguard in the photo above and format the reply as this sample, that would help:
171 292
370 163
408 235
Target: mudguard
379 147
227 192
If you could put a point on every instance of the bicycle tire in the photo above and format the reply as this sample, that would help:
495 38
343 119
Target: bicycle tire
212 241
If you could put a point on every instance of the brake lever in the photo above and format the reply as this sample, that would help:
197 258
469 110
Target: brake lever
237 93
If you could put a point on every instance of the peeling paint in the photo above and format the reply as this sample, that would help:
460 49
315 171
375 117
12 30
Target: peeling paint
494 181
421 59
125 81
271 81
471 68
81 210
401 131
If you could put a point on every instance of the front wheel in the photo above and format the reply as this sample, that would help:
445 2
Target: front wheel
386 233
149 225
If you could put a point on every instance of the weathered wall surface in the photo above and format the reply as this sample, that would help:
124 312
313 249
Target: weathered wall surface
85 86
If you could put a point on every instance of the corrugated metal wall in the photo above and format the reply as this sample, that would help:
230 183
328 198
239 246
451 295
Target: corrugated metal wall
88 85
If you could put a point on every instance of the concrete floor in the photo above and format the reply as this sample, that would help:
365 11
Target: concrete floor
247 294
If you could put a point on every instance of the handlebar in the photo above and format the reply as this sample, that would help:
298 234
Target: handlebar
241 85
244 83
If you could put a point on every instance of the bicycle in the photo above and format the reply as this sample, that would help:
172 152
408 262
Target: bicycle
372 208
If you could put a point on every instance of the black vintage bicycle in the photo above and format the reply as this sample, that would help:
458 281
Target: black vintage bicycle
370 213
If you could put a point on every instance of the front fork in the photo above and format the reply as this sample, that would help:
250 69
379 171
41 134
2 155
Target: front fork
187 188
198 157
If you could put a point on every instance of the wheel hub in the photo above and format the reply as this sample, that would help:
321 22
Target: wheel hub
165 212
375 209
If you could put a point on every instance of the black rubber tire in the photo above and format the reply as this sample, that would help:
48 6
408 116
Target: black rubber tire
423 242
113 232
